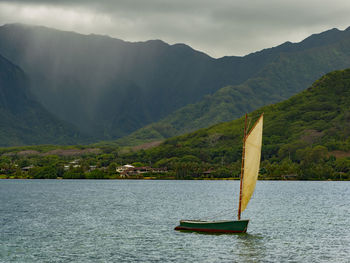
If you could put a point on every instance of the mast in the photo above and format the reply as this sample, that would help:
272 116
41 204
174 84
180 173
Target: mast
242 167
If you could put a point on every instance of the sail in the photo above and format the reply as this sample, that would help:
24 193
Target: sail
252 156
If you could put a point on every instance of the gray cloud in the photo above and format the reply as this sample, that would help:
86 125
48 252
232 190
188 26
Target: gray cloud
221 27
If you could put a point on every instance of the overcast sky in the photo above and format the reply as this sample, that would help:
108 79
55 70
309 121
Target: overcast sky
216 27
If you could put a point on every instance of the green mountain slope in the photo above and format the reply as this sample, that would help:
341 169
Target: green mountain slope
23 121
307 135
294 68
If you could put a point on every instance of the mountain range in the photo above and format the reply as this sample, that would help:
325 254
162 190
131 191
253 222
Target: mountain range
108 88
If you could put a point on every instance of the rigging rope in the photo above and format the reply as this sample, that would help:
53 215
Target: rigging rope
222 213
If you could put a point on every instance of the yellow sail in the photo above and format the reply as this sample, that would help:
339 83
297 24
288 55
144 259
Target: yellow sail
252 156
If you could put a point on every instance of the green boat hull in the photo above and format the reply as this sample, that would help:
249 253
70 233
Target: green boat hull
238 226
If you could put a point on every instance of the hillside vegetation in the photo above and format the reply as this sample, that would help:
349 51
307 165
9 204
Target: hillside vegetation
305 137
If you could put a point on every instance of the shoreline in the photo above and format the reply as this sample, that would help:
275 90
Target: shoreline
173 179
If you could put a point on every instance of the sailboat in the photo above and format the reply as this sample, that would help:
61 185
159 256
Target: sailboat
251 154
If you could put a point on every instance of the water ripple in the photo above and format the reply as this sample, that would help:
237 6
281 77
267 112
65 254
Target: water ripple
133 221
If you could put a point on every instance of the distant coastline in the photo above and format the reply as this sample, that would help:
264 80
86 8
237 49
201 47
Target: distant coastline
176 179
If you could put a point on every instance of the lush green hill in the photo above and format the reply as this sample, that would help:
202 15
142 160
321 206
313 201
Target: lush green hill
23 121
293 68
307 136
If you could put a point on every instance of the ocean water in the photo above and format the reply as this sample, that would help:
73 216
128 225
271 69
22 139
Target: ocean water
133 221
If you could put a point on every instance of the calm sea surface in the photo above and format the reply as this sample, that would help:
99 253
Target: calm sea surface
133 221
